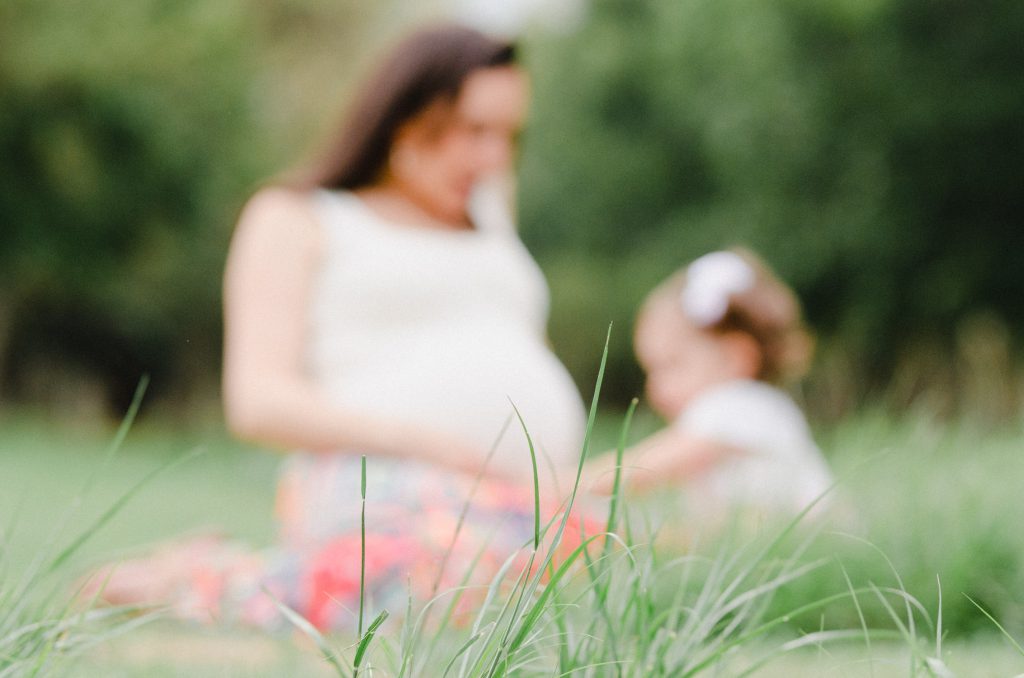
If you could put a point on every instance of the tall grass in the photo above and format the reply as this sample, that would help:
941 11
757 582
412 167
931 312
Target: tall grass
631 611
933 499
43 625
618 605
929 502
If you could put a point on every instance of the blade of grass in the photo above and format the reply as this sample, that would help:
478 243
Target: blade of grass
302 624
620 451
468 503
37 568
464 649
860 617
899 580
119 437
534 583
1006 634
536 478
904 630
538 607
762 629
365 640
111 511
816 638
492 641
362 540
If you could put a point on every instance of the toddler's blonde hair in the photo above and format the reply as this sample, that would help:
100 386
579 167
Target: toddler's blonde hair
767 310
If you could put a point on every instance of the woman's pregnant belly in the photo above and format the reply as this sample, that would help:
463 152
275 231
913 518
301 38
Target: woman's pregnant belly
463 378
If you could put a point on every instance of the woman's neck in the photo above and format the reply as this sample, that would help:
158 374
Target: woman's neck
390 202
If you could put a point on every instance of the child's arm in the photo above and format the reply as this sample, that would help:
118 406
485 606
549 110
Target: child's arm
671 456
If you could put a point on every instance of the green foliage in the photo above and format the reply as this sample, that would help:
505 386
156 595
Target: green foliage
871 151
130 134
122 158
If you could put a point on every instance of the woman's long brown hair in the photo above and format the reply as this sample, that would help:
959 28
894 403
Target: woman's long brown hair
430 65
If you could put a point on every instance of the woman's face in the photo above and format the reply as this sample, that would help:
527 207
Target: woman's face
438 161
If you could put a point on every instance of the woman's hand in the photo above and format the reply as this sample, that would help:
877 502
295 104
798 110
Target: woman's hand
446 451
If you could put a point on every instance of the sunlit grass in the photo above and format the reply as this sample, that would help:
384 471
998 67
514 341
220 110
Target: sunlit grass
42 621
929 514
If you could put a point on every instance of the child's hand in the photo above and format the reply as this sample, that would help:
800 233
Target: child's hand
633 477
669 457
602 483
599 475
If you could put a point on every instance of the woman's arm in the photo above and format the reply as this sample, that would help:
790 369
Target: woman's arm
668 457
268 397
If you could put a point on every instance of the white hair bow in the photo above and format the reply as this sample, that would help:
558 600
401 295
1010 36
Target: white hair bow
710 281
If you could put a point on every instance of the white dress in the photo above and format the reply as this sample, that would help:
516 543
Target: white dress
779 467
437 328
440 328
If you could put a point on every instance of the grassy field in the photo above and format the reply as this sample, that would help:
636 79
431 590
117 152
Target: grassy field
227 486
163 651
927 508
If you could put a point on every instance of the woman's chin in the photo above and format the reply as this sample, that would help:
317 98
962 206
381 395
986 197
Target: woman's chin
451 210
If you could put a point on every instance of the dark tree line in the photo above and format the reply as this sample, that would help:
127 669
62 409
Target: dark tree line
872 151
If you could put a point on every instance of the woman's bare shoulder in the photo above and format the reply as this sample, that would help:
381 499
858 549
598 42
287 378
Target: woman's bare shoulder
286 207
276 224
280 216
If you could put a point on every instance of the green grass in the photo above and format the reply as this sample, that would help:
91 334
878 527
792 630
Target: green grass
936 504
42 622
67 500
940 505
171 651
228 487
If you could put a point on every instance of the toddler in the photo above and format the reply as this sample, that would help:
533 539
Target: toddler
716 341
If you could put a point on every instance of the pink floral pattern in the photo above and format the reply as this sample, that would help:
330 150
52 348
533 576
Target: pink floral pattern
427 531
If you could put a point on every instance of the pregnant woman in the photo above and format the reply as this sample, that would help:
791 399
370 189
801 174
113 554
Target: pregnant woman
381 304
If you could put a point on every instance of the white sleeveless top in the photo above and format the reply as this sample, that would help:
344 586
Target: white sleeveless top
444 329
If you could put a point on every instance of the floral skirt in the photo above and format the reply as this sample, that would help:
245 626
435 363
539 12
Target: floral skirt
427 532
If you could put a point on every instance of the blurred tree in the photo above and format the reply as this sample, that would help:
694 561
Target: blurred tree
119 166
871 150
129 135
